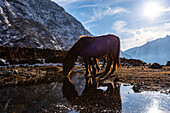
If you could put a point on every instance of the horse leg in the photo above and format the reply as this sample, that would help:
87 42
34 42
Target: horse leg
104 62
110 61
86 66
113 69
91 62
97 64
106 70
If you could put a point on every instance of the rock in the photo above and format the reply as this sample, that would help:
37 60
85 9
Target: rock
131 62
3 62
28 76
168 63
15 71
137 88
155 66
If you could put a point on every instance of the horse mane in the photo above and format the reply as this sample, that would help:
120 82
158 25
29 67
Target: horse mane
81 38
85 36
91 37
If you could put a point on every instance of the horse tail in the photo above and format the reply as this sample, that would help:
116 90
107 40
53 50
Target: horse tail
118 55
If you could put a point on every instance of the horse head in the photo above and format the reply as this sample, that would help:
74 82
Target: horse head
68 64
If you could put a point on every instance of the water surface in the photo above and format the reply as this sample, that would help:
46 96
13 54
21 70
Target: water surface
144 102
79 96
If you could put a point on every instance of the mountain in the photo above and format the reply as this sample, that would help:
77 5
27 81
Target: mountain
37 24
125 55
154 51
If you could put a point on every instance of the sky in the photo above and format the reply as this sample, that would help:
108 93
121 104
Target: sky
135 22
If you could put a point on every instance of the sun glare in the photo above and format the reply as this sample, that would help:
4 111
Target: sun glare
152 10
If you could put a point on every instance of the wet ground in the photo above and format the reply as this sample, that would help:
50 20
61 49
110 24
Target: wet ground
44 89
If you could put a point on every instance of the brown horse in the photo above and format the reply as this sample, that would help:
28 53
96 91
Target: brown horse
94 47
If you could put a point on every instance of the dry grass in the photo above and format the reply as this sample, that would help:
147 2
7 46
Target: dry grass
152 79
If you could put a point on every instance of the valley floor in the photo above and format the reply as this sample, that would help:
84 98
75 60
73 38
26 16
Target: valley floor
143 78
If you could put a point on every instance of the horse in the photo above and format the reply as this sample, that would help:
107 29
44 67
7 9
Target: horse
93 47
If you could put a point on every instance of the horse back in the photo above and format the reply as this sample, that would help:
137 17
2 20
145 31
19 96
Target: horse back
97 46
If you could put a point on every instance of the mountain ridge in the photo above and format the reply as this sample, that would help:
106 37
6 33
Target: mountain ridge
153 51
53 23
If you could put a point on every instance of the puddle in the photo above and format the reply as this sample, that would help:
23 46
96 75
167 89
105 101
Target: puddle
79 96
144 102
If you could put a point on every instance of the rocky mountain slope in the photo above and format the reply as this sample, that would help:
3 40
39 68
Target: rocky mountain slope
154 51
37 24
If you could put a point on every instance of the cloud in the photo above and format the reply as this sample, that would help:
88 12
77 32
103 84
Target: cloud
137 37
100 3
167 10
119 26
86 6
100 13
65 2
116 11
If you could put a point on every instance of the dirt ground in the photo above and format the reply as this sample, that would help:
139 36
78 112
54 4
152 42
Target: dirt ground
143 78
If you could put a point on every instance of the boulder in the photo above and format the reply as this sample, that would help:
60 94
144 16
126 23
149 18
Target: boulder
155 66
168 63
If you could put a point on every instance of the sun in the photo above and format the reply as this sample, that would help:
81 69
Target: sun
152 10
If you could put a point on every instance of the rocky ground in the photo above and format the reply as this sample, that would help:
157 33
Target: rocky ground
29 75
143 78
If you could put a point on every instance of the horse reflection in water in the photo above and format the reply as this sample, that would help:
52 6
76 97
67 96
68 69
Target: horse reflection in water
93 47
60 96
93 99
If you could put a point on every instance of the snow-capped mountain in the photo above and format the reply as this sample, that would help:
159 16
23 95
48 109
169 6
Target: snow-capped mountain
154 51
125 55
37 23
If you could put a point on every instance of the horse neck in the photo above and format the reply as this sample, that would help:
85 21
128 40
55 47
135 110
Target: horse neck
71 55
